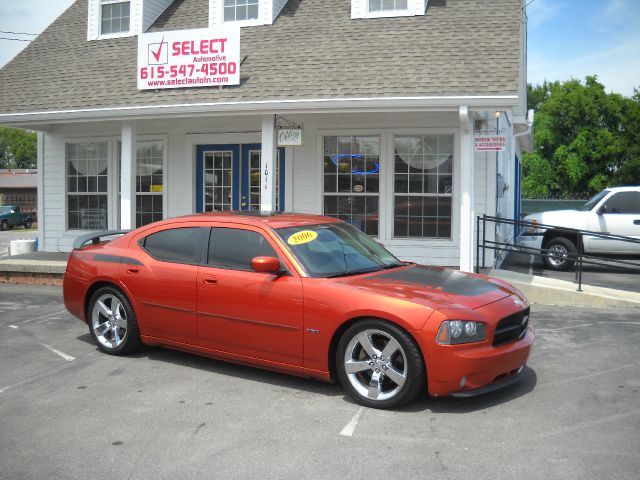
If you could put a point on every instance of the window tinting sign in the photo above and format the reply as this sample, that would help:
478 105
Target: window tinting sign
490 143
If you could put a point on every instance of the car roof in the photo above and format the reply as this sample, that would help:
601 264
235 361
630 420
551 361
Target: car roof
272 220
623 189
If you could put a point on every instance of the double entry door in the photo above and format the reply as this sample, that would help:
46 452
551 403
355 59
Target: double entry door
228 177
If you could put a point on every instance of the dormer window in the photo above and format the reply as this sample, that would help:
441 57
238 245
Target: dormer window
238 10
387 5
115 16
387 8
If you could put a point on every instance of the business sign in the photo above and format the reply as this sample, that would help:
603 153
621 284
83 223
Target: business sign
206 57
289 136
490 143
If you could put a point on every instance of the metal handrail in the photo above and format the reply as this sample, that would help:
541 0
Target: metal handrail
581 258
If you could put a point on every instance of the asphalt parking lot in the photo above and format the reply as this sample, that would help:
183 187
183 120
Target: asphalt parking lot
68 411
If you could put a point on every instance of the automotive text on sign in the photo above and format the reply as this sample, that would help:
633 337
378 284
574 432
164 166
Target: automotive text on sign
490 143
189 58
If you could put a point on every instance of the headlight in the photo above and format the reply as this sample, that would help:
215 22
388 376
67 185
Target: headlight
454 332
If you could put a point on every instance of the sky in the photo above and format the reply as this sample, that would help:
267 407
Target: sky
566 38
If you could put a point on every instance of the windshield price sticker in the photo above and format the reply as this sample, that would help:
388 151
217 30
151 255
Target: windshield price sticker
189 58
305 236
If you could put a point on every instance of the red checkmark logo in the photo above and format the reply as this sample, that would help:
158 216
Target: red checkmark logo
157 54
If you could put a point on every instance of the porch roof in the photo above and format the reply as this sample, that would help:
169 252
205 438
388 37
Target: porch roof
313 51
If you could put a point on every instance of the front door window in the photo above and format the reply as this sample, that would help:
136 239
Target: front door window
218 180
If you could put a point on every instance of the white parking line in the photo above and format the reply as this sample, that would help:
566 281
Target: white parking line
68 358
530 264
38 318
350 427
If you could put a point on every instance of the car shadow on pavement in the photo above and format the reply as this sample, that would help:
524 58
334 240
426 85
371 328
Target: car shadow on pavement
220 367
474 404
422 403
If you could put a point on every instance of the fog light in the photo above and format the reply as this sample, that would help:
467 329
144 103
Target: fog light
463 381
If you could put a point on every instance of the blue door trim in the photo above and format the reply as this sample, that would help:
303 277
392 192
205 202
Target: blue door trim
235 163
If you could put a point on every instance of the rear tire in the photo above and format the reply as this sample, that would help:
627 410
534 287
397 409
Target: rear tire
28 224
379 364
112 322
561 254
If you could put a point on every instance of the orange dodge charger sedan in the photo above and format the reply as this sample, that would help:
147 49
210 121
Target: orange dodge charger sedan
302 294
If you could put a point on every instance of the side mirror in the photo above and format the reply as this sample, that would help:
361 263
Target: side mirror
265 264
602 209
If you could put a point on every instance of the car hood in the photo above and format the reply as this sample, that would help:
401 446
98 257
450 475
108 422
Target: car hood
434 287
559 218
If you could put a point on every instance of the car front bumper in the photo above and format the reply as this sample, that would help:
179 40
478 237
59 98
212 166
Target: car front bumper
530 243
476 368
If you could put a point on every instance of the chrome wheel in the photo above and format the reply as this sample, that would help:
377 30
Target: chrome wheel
109 321
375 364
557 255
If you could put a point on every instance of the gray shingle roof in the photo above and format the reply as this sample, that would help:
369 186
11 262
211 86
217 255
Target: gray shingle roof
312 51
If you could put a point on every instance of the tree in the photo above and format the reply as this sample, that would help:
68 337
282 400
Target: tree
17 148
584 139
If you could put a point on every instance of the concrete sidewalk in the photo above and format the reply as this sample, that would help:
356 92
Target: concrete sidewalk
550 291
42 268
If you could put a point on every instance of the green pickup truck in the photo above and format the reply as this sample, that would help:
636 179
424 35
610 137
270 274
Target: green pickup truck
11 216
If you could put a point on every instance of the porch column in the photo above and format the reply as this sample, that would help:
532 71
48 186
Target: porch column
267 165
128 176
467 219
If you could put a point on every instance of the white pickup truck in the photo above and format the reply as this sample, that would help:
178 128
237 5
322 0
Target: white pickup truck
613 211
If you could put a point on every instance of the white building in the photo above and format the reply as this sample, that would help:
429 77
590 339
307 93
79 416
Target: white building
389 95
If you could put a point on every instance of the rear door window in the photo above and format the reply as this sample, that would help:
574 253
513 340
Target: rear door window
234 248
178 245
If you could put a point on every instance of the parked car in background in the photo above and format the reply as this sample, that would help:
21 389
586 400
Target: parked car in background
613 211
11 217
303 294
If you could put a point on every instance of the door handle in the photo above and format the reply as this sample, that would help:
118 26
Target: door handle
132 269
636 222
209 280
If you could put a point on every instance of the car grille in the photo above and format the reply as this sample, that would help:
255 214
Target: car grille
511 328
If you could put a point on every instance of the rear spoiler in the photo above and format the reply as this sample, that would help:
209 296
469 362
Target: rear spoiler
95 237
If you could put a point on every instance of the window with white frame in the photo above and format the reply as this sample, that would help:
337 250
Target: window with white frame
115 16
423 186
352 180
237 10
387 5
149 181
87 178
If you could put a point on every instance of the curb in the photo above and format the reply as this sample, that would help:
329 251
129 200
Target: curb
548 291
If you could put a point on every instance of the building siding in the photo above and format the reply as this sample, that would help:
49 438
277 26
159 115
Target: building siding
303 164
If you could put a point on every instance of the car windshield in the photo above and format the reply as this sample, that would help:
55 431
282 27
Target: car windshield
336 250
593 202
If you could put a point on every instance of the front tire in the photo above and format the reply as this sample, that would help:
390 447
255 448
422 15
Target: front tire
561 254
379 364
4 225
112 322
